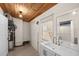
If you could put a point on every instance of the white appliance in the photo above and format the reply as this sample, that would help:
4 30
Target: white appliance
3 35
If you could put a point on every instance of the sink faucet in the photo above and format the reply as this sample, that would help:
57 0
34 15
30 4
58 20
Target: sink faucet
54 40
59 40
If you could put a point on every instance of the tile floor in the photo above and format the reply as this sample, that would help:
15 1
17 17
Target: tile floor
26 50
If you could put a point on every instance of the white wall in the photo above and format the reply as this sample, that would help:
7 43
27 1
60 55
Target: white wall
26 31
3 35
53 12
18 31
22 33
76 25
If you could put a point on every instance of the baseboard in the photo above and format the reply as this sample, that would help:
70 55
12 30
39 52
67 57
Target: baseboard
19 45
26 42
11 49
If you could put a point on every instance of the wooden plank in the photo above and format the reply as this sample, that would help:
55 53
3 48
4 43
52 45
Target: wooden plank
31 10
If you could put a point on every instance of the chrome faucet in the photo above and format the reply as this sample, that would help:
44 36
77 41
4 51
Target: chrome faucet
54 40
59 40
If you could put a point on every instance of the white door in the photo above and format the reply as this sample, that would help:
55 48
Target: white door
3 36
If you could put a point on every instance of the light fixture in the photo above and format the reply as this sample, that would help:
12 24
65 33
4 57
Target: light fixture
20 12
23 10
74 12
20 16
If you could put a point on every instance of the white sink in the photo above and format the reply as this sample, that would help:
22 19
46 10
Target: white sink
61 50
50 45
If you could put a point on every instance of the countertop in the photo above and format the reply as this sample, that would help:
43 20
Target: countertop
61 50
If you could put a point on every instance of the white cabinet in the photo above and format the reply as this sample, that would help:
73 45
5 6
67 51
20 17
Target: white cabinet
57 54
45 51
3 35
48 53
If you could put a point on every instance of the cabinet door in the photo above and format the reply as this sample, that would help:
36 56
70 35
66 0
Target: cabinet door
57 55
48 53
3 36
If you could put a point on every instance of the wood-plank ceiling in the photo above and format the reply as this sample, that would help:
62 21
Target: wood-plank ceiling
28 10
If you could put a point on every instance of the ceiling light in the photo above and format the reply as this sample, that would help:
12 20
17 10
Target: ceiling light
20 16
74 12
20 12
